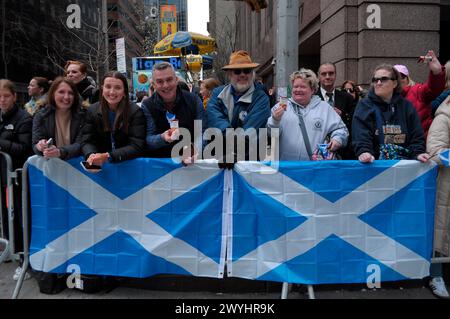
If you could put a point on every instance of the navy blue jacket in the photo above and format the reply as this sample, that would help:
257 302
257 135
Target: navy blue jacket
399 111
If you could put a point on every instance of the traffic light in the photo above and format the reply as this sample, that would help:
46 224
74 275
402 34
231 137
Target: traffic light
257 5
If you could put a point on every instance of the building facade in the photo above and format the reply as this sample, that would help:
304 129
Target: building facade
125 21
355 35
37 38
182 16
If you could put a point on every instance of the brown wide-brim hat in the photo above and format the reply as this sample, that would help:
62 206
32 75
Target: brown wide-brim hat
240 60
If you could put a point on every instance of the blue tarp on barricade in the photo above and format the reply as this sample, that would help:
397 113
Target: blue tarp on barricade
305 222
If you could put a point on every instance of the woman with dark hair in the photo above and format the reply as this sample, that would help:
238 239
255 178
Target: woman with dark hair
115 130
37 90
351 88
386 125
57 127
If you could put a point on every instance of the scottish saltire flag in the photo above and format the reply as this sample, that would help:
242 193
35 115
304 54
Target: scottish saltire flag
332 221
307 222
445 157
134 219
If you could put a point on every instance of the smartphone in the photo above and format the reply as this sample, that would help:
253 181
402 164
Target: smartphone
49 142
90 168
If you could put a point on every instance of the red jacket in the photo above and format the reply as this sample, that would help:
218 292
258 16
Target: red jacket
421 96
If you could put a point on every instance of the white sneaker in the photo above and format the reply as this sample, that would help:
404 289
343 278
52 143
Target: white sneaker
18 272
438 288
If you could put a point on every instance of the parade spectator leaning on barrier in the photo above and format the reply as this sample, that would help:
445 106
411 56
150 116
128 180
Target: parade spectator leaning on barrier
241 104
306 121
438 140
169 109
15 140
385 125
115 127
438 101
37 90
206 87
57 128
342 102
76 72
421 95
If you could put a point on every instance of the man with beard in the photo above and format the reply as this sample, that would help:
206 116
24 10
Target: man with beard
240 104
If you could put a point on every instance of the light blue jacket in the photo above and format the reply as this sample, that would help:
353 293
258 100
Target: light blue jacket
251 110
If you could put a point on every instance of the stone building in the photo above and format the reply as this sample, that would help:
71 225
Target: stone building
357 35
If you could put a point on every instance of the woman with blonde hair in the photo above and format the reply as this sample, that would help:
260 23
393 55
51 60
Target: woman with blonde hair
306 121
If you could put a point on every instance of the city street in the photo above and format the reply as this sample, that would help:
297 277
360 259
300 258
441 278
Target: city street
201 288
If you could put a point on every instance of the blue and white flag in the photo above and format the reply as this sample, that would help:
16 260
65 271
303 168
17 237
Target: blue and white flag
332 221
307 222
445 157
134 219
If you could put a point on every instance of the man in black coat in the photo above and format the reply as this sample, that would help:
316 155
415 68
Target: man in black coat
167 105
342 102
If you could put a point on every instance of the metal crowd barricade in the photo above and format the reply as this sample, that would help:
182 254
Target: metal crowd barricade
25 225
10 250
286 287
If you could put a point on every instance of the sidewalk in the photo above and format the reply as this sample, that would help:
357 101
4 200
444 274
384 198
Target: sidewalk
176 287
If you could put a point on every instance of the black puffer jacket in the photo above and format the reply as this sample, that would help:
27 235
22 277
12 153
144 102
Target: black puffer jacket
399 112
127 145
15 136
88 90
44 127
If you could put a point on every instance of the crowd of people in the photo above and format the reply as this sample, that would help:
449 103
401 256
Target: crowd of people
393 119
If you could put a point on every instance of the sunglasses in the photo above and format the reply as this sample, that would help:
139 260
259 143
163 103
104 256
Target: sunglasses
403 76
383 79
327 73
349 90
239 71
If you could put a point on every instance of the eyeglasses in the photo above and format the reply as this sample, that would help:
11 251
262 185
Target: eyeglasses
327 73
383 79
239 71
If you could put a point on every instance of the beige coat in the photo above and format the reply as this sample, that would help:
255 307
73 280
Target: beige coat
438 140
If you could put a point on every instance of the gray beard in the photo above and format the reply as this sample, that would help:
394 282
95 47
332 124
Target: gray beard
241 88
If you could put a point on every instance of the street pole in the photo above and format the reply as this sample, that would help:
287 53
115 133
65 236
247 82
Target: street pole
158 19
286 59
287 43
